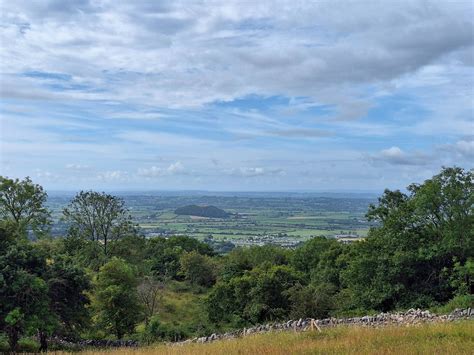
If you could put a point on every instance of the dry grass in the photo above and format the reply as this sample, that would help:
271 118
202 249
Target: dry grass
440 338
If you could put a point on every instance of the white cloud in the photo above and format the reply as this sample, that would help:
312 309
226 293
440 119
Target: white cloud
176 168
45 175
119 84
462 148
186 54
396 156
114 175
77 167
255 171
465 148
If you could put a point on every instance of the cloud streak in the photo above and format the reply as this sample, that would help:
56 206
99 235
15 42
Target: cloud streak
279 94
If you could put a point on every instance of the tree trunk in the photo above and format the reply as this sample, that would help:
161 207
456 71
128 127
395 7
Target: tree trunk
13 338
118 331
43 341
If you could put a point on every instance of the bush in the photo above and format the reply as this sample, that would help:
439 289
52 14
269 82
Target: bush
461 301
157 331
3 343
28 345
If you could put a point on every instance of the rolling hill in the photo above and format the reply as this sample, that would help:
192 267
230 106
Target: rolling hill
202 211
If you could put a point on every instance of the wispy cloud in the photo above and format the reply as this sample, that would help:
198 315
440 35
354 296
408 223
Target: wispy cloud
198 94
396 156
176 168
255 171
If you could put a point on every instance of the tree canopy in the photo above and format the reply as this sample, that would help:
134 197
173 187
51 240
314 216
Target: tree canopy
23 203
104 280
99 217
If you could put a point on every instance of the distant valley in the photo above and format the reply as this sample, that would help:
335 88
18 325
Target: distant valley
236 219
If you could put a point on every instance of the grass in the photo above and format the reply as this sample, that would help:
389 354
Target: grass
179 306
438 338
461 301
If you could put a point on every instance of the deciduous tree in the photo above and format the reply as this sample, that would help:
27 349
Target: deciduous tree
115 300
23 203
98 216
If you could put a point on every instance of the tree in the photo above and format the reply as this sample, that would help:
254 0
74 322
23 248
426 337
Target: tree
24 301
23 203
165 254
419 254
240 260
257 296
198 269
315 301
132 249
115 300
307 257
67 287
99 217
150 292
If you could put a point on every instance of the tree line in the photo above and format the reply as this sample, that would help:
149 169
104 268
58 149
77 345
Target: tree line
104 279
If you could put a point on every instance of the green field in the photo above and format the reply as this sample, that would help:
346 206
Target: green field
283 220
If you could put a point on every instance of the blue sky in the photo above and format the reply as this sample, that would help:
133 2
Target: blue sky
232 95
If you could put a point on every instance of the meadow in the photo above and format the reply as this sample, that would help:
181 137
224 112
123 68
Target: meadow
435 338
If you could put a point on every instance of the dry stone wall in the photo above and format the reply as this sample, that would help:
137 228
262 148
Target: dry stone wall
412 316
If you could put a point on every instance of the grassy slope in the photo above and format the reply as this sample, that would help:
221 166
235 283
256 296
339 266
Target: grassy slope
181 307
440 338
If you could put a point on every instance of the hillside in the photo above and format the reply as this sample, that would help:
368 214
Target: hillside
202 211
431 338
124 289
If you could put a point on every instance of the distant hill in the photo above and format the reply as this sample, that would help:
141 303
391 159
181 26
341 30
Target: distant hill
202 211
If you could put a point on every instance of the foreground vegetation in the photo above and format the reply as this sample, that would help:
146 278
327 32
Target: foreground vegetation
438 338
105 280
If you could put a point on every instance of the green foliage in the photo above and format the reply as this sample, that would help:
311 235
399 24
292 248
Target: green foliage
86 253
22 202
458 302
419 255
165 254
132 249
198 269
330 265
115 300
308 255
155 330
315 301
257 296
24 305
461 277
38 294
99 217
240 260
67 287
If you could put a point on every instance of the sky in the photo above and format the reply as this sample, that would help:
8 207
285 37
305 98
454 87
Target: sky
235 95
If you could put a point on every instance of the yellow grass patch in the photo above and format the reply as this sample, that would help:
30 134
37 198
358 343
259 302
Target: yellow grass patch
439 338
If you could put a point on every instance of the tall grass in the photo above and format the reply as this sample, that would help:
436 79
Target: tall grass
438 338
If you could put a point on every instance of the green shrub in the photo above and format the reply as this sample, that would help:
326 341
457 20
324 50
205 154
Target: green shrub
3 343
461 301
157 331
28 345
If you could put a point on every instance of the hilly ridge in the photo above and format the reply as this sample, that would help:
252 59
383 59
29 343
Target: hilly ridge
202 211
